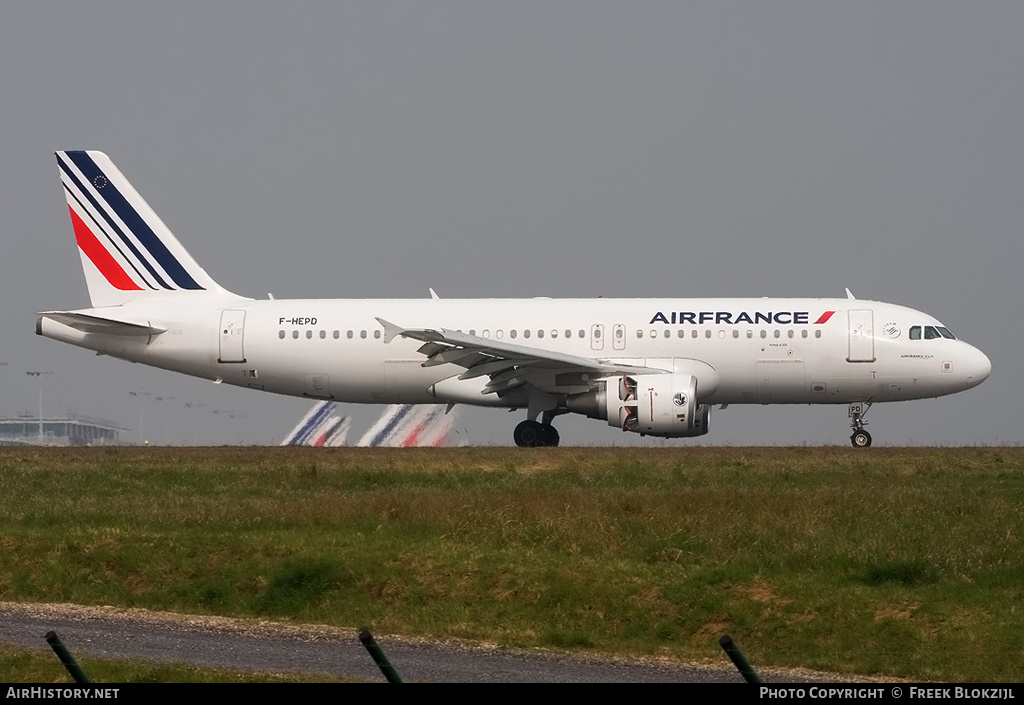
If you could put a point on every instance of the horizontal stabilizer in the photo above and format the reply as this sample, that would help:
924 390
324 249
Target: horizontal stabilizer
99 324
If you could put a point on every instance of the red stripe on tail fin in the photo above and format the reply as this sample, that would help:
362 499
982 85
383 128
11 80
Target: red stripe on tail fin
99 256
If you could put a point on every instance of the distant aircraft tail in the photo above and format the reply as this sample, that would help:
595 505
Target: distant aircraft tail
320 427
127 251
409 426
308 426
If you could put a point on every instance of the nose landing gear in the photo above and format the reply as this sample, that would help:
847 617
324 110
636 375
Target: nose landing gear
860 437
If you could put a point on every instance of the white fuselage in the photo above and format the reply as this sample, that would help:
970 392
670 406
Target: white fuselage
744 351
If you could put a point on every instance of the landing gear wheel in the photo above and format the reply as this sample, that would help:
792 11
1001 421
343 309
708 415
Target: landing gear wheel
550 435
533 434
529 434
860 439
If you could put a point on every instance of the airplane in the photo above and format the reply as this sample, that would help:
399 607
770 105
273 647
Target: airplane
320 427
410 426
400 426
649 366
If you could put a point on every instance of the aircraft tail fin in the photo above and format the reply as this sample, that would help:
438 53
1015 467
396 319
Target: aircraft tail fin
127 252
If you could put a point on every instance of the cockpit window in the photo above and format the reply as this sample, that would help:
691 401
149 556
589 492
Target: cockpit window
931 333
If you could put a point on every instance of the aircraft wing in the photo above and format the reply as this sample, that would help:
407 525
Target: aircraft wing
508 365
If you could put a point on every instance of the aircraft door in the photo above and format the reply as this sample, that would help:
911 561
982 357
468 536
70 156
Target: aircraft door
862 336
232 336
597 337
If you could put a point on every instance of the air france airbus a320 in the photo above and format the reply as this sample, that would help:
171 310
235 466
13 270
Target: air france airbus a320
649 366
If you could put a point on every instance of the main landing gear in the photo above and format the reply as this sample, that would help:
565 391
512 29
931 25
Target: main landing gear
535 434
860 437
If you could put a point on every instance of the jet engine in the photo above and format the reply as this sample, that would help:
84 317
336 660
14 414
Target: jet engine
651 405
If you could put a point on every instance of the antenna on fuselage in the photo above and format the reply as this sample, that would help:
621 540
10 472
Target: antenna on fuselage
849 294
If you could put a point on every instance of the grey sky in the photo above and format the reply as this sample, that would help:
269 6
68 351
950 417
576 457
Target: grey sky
525 149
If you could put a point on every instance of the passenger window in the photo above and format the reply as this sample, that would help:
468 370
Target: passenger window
803 333
568 333
512 333
668 333
362 334
694 333
323 334
295 335
777 333
735 333
337 334
280 335
764 334
707 333
349 335
790 333
750 333
639 334
817 334
540 334
682 333
309 335
915 333
526 333
376 335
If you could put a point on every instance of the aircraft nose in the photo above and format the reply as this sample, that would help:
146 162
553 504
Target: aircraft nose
978 367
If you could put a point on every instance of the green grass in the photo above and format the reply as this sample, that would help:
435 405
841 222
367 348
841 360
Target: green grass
19 665
882 561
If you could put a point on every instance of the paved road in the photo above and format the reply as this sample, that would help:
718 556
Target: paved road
275 648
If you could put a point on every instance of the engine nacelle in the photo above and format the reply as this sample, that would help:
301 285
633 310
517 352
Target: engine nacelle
651 405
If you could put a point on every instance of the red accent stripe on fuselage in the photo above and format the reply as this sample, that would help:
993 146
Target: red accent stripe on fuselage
824 317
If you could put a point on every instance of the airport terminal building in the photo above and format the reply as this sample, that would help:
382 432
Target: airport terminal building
71 430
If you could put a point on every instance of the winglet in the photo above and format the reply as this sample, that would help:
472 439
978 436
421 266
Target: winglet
390 329
849 294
